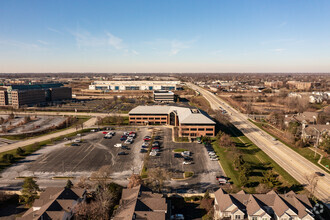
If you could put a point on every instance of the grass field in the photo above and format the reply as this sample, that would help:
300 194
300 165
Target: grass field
305 152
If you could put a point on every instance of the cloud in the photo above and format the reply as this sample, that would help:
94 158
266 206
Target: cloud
278 50
22 45
54 30
115 42
43 42
177 46
135 52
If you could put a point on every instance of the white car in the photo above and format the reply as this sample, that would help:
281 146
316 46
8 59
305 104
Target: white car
185 153
186 162
118 145
214 158
128 141
77 141
211 153
153 153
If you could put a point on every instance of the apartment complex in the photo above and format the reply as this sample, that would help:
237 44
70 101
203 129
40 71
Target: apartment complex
267 206
141 203
191 122
55 203
164 96
133 85
274 84
18 95
299 85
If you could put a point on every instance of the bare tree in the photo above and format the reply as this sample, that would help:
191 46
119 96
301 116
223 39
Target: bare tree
134 180
157 177
312 180
226 141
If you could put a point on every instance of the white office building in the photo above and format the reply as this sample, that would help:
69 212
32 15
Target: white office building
134 85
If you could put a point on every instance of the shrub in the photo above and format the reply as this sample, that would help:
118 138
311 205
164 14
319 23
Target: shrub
8 158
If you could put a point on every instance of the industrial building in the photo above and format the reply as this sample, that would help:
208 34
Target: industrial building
18 95
164 96
191 122
133 85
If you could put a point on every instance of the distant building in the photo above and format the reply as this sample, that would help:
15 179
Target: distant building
274 84
164 96
299 85
18 95
134 85
141 203
191 122
55 203
267 206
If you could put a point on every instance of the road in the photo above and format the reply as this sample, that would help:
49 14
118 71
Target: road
295 164
63 113
87 124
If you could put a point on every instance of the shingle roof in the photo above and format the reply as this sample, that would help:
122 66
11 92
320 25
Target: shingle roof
278 204
185 115
143 204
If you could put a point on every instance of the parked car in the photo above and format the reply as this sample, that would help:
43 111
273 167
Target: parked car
187 158
104 132
75 144
199 141
128 141
122 153
156 144
143 151
177 217
214 158
186 162
185 153
177 155
146 138
156 149
153 153
118 145
123 139
158 137
77 141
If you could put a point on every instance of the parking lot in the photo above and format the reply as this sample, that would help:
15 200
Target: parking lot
205 170
93 152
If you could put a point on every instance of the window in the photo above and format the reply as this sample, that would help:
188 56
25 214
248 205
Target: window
132 118
151 118
163 118
138 118
237 217
201 129
209 129
254 218
209 134
264 218
157 118
185 129
145 118
193 129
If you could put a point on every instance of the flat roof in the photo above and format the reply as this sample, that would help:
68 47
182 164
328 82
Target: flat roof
186 115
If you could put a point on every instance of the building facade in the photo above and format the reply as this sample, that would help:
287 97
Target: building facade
190 122
133 85
18 95
164 96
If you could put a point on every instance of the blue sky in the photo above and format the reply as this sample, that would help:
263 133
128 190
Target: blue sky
165 36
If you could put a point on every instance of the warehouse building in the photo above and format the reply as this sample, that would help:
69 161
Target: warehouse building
133 85
18 95
191 122
164 96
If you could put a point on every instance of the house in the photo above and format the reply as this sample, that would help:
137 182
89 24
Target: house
55 203
141 203
191 122
262 206
312 132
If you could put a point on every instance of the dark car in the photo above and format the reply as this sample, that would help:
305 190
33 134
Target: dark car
319 174
187 159
122 153
75 144
123 138
124 148
158 137
177 155
156 144
143 151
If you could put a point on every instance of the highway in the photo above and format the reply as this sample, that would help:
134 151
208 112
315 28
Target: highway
295 164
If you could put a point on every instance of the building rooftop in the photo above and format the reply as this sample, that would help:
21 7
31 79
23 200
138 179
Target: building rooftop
186 115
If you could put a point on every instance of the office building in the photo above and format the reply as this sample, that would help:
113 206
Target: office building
191 122
164 96
133 85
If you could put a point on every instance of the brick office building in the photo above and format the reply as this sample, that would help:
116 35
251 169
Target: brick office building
191 122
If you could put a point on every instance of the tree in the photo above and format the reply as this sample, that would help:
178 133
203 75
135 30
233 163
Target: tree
157 177
238 161
270 178
11 116
222 118
69 184
312 180
30 191
20 151
226 141
8 158
134 180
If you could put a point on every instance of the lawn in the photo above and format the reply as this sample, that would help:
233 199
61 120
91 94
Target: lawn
305 152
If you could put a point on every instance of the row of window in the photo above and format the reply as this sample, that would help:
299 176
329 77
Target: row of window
194 134
156 122
148 118
197 129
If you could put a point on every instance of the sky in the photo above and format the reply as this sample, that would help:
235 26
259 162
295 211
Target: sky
164 36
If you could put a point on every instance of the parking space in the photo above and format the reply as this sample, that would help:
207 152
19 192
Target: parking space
204 169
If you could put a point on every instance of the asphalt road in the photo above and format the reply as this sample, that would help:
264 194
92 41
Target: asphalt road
295 164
